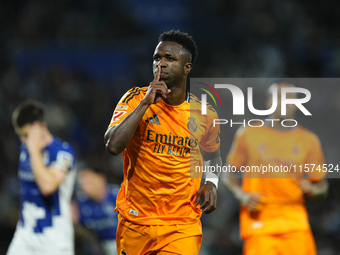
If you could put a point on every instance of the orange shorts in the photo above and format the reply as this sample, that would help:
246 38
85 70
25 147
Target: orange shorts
295 243
133 239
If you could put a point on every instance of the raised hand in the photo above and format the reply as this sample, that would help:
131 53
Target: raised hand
35 140
305 185
254 202
157 89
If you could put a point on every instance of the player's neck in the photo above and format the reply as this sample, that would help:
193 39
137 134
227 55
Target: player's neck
177 95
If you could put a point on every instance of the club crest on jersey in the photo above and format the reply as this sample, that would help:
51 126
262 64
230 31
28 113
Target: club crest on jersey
117 115
192 126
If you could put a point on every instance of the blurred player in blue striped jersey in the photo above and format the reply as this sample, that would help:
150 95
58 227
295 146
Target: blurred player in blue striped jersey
47 179
96 200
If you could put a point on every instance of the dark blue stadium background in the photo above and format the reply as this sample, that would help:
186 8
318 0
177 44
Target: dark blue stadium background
79 57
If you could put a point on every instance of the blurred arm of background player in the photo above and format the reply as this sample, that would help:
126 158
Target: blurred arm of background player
250 200
37 137
314 190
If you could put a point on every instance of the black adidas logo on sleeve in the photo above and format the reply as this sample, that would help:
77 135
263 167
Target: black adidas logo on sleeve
153 120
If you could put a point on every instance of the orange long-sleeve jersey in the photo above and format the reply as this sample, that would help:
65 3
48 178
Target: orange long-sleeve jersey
282 206
158 186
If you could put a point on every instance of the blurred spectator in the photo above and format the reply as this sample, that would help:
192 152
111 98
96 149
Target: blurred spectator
94 205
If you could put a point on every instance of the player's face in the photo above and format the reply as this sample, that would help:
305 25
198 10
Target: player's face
23 132
91 182
174 61
290 108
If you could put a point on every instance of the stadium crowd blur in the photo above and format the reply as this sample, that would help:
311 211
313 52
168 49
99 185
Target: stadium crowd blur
79 57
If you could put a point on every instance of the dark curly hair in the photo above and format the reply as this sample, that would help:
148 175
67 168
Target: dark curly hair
183 39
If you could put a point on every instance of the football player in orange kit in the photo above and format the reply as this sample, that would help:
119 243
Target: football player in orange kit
157 130
273 216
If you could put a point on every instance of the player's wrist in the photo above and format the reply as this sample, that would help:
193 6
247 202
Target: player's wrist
239 194
34 152
211 177
318 191
145 102
242 197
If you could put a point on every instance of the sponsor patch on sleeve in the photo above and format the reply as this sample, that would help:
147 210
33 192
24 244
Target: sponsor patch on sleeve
64 161
122 107
117 115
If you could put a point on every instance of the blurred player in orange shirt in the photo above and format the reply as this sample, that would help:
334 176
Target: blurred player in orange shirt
158 128
273 217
